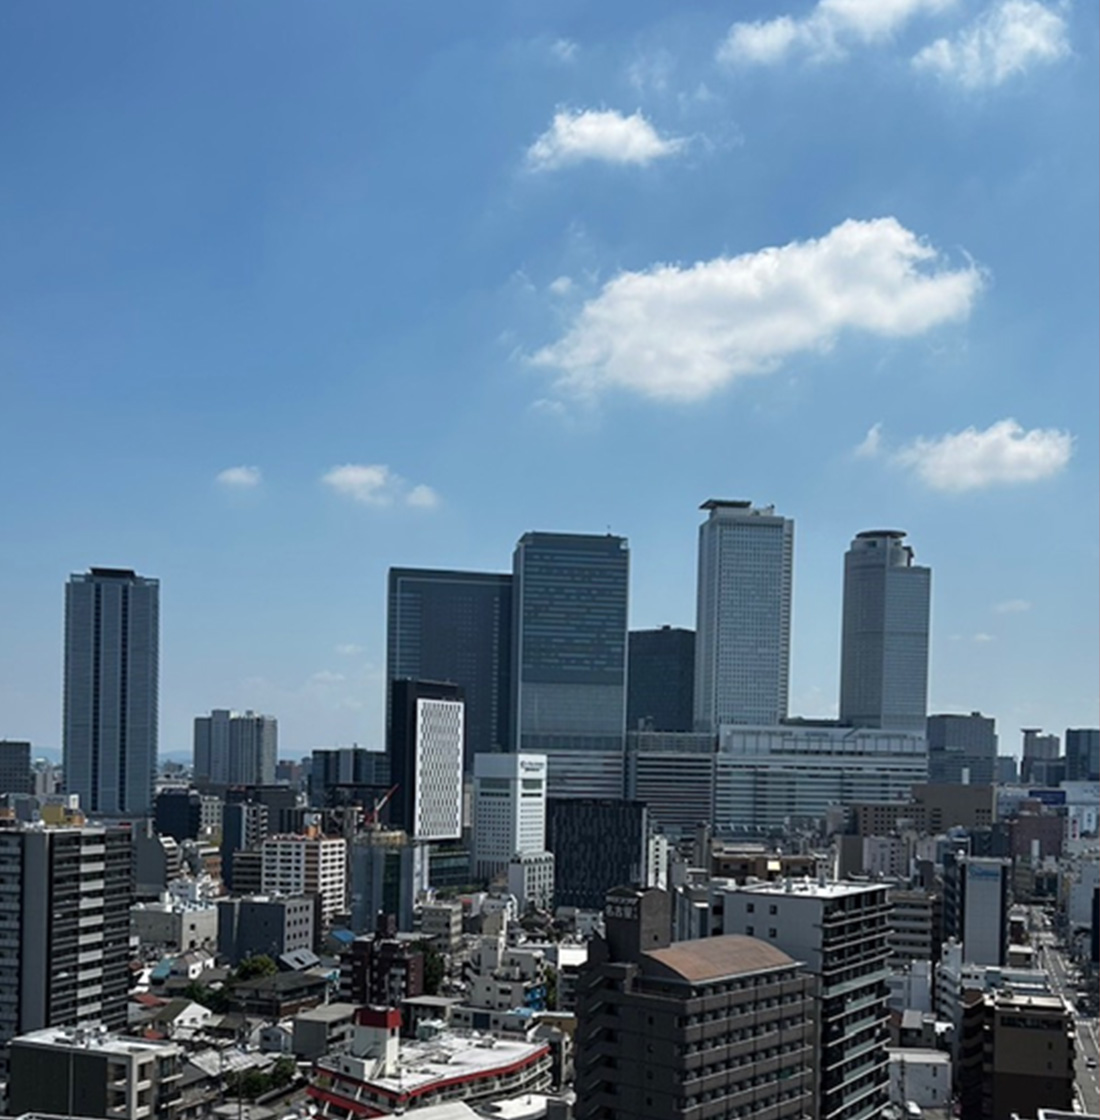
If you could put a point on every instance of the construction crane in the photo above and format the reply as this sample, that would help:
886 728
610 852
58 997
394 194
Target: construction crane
370 818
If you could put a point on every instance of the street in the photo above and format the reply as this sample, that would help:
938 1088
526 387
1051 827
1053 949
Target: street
1063 983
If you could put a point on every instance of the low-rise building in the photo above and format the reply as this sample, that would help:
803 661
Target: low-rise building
326 1029
442 923
531 880
383 1074
174 925
920 1077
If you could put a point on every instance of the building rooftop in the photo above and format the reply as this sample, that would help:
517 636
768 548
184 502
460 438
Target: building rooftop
452 1056
329 1012
93 1037
812 888
714 958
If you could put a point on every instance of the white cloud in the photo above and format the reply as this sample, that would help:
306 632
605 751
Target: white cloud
563 50
423 497
326 677
1012 606
981 639
825 32
240 478
1002 454
374 484
561 286
1005 40
871 444
682 333
349 649
599 134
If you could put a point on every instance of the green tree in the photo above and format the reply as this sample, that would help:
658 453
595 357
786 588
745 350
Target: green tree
251 967
283 1072
435 967
215 999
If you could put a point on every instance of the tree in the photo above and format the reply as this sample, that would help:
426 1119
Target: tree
435 967
252 967
283 1072
214 999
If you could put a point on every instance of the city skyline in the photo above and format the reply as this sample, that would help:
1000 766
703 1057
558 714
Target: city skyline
295 301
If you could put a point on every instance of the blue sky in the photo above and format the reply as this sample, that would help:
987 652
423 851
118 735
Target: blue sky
291 293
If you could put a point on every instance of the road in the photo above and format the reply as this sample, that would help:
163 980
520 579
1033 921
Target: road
1063 982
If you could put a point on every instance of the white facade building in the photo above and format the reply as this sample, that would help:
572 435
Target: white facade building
509 809
743 615
884 640
767 776
296 865
531 879
437 805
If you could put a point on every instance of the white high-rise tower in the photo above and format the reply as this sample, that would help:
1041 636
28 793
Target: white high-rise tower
743 620
884 643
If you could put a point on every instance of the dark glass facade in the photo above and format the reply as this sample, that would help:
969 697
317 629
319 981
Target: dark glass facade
1083 754
660 688
598 843
456 627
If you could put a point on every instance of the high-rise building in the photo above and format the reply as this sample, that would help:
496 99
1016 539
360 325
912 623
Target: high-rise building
111 687
962 749
235 749
975 906
569 655
348 776
456 627
660 680
840 931
15 767
178 813
426 740
244 828
598 843
84 1071
1082 754
317 865
1041 754
884 639
64 928
1017 1056
710 1028
743 615
509 809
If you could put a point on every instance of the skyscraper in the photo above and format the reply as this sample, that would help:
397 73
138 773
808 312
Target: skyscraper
569 658
660 690
427 732
63 886
456 627
1082 754
743 617
111 682
509 809
235 749
884 640
962 749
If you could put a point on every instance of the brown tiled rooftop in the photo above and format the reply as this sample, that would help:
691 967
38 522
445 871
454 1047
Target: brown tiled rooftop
712 958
